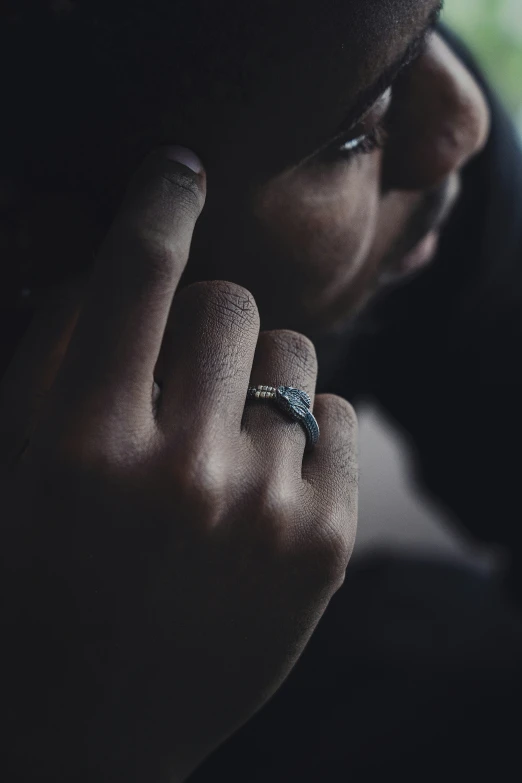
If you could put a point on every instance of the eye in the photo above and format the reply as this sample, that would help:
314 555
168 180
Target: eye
360 145
373 140
368 135
354 144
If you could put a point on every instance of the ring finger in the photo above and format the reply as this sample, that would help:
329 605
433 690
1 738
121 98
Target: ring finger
282 358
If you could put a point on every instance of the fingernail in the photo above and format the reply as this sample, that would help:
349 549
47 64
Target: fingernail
186 157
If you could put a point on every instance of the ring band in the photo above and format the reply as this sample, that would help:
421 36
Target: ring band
295 403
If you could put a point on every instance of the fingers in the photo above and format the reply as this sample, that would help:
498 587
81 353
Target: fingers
282 358
206 359
331 468
113 352
26 385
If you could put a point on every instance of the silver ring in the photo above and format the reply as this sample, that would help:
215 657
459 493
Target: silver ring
295 403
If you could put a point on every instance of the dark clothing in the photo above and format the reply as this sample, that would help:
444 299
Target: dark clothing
415 671
413 674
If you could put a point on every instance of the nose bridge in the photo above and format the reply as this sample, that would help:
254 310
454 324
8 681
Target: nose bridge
466 120
441 120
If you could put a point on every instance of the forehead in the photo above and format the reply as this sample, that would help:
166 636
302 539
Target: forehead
312 64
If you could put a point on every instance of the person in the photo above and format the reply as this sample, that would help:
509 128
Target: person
335 141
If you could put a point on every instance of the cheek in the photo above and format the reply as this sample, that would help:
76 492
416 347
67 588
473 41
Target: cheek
395 214
322 221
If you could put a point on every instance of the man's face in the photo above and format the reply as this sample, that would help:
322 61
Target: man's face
336 174
314 241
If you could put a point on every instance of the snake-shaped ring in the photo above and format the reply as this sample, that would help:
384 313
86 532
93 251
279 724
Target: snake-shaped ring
295 403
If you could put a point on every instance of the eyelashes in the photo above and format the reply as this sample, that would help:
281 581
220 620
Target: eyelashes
354 144
363 145
343 151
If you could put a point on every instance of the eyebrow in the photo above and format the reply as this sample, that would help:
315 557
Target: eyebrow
369 96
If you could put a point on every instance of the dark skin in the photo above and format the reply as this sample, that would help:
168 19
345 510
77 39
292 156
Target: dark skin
183 532
139 530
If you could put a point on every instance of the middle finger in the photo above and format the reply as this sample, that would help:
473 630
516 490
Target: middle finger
206 359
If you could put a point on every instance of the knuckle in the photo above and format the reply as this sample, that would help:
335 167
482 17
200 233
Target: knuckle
340 411
272 511
235 303
331 550
226 303
137 241
159 250
196 480
341 442
297 348
276 506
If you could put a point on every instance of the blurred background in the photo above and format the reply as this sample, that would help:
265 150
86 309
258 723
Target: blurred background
493 28
394 515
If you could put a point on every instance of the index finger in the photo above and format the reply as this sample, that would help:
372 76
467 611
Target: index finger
118 337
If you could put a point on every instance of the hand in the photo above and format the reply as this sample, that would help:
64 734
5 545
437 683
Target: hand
166 556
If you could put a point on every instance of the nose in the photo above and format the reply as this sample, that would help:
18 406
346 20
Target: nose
439 120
